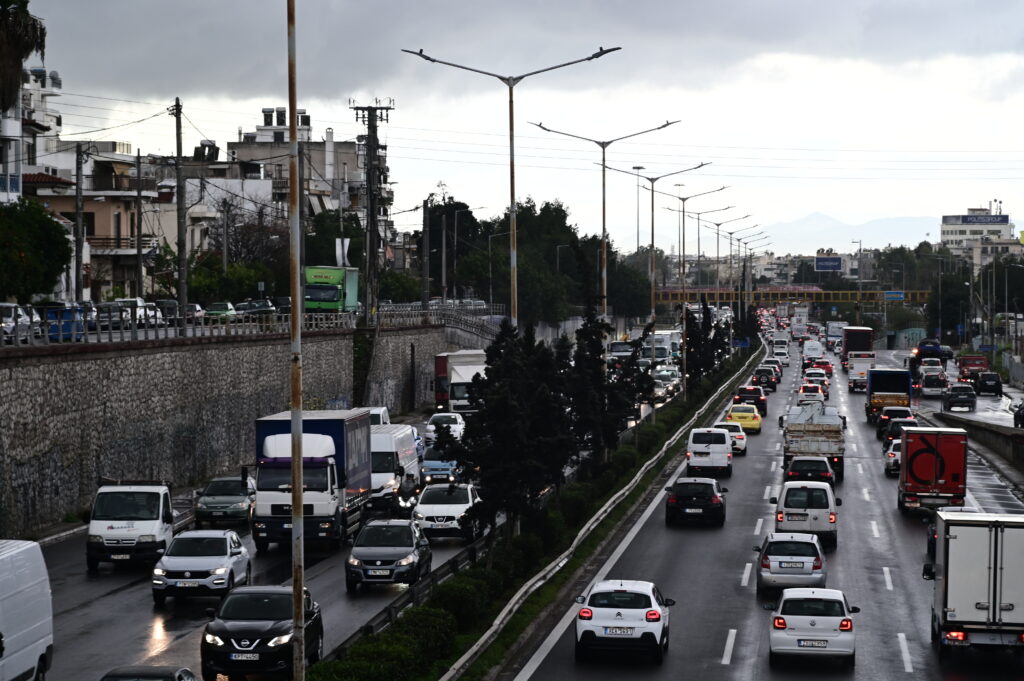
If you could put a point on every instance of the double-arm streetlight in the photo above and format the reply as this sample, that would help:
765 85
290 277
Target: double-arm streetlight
604 215
860 275
698 214
718 253
511 82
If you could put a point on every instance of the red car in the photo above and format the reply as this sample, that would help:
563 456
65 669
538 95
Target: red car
823 364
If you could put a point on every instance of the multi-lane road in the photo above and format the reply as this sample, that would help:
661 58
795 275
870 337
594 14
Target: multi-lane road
720 628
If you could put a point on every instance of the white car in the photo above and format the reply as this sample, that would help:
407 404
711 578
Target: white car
782 356
892 458
201 563
441 511
620 615
736 434
813 623
809 392
455 423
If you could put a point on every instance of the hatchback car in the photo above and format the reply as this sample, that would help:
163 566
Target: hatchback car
251 633
823 364
887 414
774 362
894 431
697 499
201 563
747 416
444 511
813 623
736 434
892 458
808 392
387 552
752 394
790 559
140 673
782 355
815 468
221 312
226 498
456 424
623 615
989 382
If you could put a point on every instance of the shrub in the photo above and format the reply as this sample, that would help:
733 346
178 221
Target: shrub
388 656
624 459
576 501
432 629
462 599
532 550
650 437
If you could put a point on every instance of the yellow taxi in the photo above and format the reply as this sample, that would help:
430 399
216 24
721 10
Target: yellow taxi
747 416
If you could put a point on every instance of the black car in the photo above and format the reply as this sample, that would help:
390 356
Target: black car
988 382
945 352
765 377
886 415
752 394
1018 416
698 499
251 633
894 431
960 395
387 552
137 673
814 468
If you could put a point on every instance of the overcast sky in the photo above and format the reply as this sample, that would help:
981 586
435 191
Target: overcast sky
858 110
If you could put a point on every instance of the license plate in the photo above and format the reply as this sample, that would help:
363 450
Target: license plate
618 631
218 513
796 516
811 643
790 564
378 573
702 454
249 657
695 510
188 584
119 556
287 526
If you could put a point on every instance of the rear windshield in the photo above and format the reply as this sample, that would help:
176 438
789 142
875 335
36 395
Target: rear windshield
706 438
897 413
810 389
749 392
813 607
792 548
692 489
803 497
626 600
809 465
743 409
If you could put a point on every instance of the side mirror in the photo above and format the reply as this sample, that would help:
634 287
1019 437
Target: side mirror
724 490
854 609
757 549
839 502
160 552
168 518
210 612
928 572
581 600
773 500
236 552
669 488
669 602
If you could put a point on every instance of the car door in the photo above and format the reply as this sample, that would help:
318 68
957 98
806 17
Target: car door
166 520
240 556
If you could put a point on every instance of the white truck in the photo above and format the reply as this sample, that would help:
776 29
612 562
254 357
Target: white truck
453 376
860 363
834 334
812 429
979 587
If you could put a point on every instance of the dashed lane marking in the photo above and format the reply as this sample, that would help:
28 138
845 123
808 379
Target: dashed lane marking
866 493
860 468
730 641
767 491
746 574
888 578
757 526
905 652
874 529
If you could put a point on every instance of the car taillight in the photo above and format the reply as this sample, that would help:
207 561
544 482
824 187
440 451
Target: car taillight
766 562
827 474
730 456
689 454
716 499
653 616
586 614
956 501
835 459
741 437
780 516
831 517
779 622
792 474
846 625
816 565
672 499
728 417
762 398
956 635
891 455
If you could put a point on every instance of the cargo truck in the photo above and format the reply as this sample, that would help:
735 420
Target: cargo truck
834 334
971 365
886 388
856 338
336 476
860 363
933 468
331 289
978 600
453 376
812 429
781 311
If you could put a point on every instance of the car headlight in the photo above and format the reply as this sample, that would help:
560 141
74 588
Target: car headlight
354 562
219 571
213 639
200 504
95 539
408 560
280 640
417 515
159 572
143 538
240 504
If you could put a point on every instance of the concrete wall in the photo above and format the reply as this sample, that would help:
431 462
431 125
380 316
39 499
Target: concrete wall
402 374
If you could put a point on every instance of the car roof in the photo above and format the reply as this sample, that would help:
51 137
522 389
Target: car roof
813 593
623 584
264 589
808 458
462 485
810 484
729 425
207 534
792 536
708 481
388 522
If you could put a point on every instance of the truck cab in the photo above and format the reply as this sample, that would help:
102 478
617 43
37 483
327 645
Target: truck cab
129 523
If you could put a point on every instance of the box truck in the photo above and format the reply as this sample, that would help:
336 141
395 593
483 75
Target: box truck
933 468
886 388
856 338
453 375
331 289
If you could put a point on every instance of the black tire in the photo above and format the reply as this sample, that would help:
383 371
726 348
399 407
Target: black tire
658 654
262 546
721 521
159 599
209 674
580 653
773 660
40 670
248 574
317 652
850 662
91 565
728 471
351 586
668 520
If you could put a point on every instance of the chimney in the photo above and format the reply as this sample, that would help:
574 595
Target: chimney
281 120
268 116
329 158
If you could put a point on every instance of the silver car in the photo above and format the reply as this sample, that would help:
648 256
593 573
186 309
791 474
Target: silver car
892 459
789 559
201 563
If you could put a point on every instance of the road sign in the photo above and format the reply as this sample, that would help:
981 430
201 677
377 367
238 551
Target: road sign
259 286
894 295
740 343
828 263
986 348
835 309
960 328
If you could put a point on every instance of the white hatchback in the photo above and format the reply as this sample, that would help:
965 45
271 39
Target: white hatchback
782 356
813 623
622 615
892 458
736 434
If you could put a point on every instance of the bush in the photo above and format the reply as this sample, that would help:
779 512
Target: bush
531 548
432 629
650 436
624 460
382 657
462 598
576 502
551 528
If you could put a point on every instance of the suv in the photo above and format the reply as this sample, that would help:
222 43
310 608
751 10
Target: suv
387 552
959 395
201 563
752 394
765 377
441 511
894 431
988 382
892 458
888 413
700 499
623 615
774 362
790 559
814 468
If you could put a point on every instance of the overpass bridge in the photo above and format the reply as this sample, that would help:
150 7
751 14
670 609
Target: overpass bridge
768 296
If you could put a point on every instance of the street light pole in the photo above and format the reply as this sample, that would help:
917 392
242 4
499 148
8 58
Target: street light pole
490 270
718 256
511 82
637 170
604 215
860 275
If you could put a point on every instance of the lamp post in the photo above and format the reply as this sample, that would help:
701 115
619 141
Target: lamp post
490 270
860 275
455 251
511 82
747 243
732 238
637 169
697 214
604 216
718 254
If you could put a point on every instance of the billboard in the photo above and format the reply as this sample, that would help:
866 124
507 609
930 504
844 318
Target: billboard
829 263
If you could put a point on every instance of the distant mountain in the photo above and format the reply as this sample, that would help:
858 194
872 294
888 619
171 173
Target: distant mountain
817 230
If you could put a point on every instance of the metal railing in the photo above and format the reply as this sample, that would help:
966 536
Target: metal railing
119 183
128 242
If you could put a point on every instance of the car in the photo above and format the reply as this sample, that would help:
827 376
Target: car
709 450
892 458
887 414
813 623
790 559
201 563
622 615
824 364
112 316
809 392
747 416
147 673
815 468
168 308
736 434
782 355
752 394
698 499
444 511
988 382
195 313
818 381
894 430
392 551
221 312
225 498
959 396
765 377
251 633
659 391
456 424
15 323
262 307
774 362
809 507
946 352
153 316
777 368
88 313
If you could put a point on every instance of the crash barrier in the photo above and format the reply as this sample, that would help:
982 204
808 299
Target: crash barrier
1006 442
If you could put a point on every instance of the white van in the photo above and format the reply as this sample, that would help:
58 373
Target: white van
392 455
809 507
813 349
709 451
26 612
379 416
780 344
131 522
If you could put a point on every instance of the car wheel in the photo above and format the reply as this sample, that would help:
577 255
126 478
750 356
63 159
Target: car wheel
262 546
317 653
668 520
580 653
248 574
658 654
92 565
351 586
721 521
159 599
773 660
851 662
728 471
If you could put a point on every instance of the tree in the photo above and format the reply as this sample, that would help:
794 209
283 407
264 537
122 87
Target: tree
399 287
34 250
805 273
21 35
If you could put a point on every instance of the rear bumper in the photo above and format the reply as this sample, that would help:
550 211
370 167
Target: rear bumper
645 641
782 581
279 528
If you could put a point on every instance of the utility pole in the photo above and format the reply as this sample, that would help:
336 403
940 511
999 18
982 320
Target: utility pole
79 227
180 199
302 205
138 223
425 256
444 257
371 115
224 246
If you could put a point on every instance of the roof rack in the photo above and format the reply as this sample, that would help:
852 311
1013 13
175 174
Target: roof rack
103 480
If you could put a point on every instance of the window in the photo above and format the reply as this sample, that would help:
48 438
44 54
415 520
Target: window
385 535
706 438
792 548
279 136
813 607
692 489
382 462
625 600
804 497
197 546
442 494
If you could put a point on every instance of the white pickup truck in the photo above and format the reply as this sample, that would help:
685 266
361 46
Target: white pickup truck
812 429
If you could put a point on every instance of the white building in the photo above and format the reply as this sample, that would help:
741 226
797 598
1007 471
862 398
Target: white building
959 232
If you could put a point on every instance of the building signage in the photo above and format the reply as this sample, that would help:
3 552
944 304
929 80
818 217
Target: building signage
828 264
893 295
976 219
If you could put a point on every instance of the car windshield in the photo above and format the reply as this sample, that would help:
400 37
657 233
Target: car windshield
382 462
748 392
257 606
274 478
445 495
692 489
791 548
620 347
804 497
809 465
219 307
625 600
127 506
444 420
459 391
813 607
198 546
385 535
224 488
706 438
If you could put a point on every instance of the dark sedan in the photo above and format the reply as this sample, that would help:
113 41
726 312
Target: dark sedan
695 499
387 552
815 468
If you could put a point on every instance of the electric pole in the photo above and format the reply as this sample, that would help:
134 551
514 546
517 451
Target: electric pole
425 256
180 199
302 204
138 223
79 227
371 115
224 246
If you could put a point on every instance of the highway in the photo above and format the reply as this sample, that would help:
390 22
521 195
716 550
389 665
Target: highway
720 629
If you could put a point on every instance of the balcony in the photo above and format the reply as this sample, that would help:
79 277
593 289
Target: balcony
120 245
119 183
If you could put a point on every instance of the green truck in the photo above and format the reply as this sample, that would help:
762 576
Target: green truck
331 289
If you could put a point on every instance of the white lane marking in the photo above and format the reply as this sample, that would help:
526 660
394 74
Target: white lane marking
888 578
773 466
860 468
746 574
531 666
767 491
874 529
730 641
905 652
866 494
853 446
757 526
778 446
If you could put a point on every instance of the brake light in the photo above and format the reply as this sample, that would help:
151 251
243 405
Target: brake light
835 459
792 474
716 499
780 516
846 624
741 437
689 454
831 517
762 398
816 565
653 616
891 455
672 499
957 501
728 417
766 562
730 456
779 622
956 635
827 474
586 614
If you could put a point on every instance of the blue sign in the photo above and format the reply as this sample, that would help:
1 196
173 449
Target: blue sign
894 295
986 348
828 263
960 329
835 309
740 343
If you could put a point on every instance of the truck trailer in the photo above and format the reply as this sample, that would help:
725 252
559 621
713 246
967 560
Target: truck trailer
812 429
453 376
886 388
861 338
933 468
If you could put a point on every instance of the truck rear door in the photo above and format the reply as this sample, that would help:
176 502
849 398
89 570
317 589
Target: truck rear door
1010 593
968 574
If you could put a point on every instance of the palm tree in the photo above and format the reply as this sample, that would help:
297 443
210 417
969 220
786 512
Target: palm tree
21 34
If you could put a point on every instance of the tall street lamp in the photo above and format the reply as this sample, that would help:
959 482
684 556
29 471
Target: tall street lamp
731 238
511 82
455 251
718 254
697 214
637 169
604 216
860 275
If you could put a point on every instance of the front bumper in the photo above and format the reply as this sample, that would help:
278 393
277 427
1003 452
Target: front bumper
199 586
451 528
139 552
395 574
217 659
228 514
279 528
